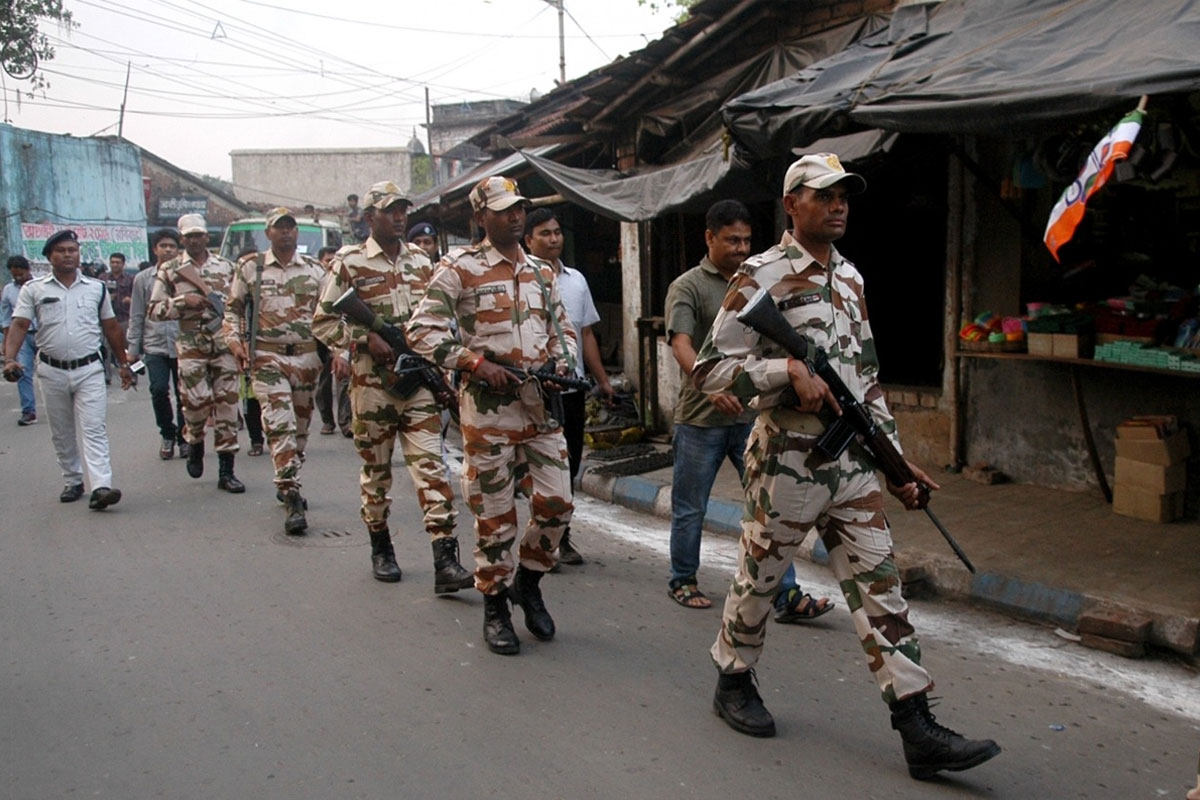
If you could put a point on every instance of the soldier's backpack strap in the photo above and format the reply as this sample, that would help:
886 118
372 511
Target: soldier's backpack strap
570 362
260 260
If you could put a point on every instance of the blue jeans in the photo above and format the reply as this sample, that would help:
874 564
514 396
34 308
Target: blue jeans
25 385
163 372
699 453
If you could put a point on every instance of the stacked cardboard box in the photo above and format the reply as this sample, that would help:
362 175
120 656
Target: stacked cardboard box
1151 469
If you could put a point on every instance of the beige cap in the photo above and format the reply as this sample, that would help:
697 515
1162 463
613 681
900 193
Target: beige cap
276 214
496 193
191 223
818 171
383 194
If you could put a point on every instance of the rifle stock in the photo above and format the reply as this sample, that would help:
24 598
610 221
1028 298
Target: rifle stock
410 370
762 315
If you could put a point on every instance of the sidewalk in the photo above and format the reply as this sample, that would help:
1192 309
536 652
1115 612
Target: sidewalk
1041 554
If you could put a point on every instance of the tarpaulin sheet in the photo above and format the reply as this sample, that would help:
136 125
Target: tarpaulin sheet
690 187
997 67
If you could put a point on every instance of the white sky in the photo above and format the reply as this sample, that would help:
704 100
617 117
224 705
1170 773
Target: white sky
305 73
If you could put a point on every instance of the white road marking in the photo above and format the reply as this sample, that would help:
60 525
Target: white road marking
1163 685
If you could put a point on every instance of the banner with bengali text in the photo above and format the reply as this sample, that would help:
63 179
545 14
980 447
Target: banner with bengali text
96 242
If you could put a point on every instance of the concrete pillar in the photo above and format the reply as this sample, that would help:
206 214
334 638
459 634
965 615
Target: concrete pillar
631 299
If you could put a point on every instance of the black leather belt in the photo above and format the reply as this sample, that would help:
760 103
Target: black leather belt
73 364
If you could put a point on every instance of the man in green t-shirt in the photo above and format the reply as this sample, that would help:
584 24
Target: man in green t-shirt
711 428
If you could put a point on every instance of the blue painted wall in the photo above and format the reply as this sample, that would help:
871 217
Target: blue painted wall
64 180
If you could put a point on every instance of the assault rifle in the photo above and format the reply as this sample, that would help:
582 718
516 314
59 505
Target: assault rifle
410 370
764 317
546 372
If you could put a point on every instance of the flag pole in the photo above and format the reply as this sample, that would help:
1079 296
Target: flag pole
1142 102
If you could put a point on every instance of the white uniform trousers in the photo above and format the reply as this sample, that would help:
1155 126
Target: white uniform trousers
76 399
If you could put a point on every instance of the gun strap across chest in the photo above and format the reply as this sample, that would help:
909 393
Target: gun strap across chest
537 273
260 261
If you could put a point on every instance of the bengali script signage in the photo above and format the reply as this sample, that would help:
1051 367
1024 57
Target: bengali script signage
172 207
96 242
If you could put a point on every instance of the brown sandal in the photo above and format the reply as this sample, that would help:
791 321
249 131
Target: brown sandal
688 594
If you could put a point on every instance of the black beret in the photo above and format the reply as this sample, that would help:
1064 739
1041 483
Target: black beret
65 235
421 229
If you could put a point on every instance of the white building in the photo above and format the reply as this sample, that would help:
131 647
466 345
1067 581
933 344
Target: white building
320 176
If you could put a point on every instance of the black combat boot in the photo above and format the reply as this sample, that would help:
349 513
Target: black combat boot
567 554
383 556
225 478
497 625
526 593
294 524
448 574
195 459
930 747
737 702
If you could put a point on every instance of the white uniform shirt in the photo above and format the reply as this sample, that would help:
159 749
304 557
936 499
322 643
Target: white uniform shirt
8 303
68 317
577 300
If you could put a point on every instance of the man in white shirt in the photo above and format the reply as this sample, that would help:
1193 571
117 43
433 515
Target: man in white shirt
71 312
544 239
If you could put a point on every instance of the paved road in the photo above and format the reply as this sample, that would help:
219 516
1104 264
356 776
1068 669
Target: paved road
177 646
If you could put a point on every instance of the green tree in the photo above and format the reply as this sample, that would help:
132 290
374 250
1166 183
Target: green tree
682 9
24 45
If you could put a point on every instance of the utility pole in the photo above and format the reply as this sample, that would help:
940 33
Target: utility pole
124 97
562 45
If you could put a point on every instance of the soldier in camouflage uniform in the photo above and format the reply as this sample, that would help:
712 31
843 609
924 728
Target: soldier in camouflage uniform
390 276
284 364
192 288
789 491
508 309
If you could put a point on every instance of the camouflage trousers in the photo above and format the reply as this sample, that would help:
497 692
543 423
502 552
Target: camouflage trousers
208 387
284 386
788 491
379 418
497 465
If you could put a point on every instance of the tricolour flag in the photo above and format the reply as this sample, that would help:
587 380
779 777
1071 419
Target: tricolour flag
1068 211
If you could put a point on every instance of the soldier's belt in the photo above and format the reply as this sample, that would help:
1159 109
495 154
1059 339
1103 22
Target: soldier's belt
795 421
288 349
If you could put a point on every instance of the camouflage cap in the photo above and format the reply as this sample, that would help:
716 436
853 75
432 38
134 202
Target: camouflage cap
191 223
818 171
383 194
276 214
496 193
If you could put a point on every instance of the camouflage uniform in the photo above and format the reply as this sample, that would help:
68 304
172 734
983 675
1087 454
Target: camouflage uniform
393 291
208 372
285 367
508 311
788 490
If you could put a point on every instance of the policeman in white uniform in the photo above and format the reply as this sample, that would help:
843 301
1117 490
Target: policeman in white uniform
71 312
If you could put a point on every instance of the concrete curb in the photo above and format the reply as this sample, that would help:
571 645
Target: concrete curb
943 575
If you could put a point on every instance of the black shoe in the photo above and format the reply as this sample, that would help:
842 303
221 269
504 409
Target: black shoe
930 747
27 418
195 458
737 702
104 497
567 554
526 593
71 492
497 625
448 574
349 434
294 523
383 556
226 480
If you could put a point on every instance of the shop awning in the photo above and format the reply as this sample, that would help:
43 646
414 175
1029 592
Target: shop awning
691 186
999 67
